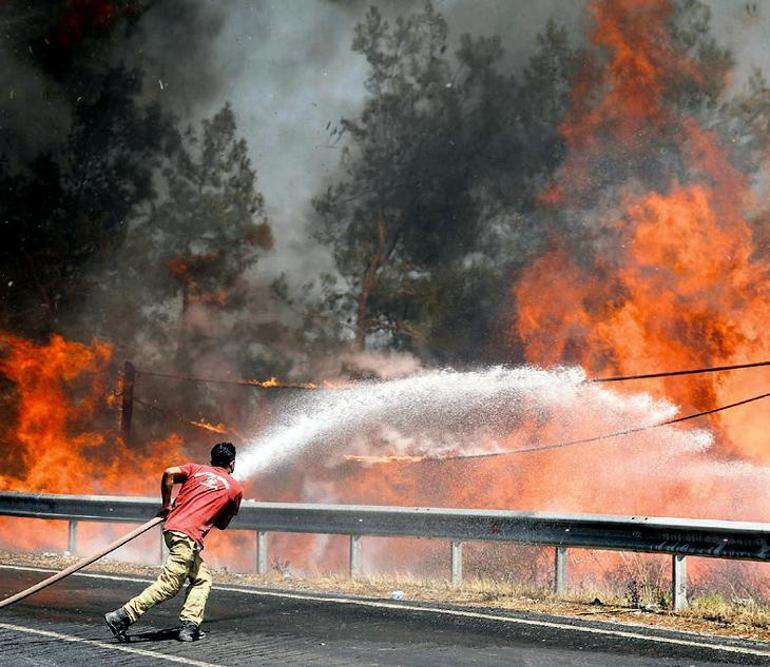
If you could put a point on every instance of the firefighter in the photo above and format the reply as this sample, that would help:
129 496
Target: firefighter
208 497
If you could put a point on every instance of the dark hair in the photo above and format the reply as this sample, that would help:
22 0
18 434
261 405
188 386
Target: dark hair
222 454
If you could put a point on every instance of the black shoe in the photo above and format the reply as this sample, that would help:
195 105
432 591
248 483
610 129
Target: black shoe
189 632
118 621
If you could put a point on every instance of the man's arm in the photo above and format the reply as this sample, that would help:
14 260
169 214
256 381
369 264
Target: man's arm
171 476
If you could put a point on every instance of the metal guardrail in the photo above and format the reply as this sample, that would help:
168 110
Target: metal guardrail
677 537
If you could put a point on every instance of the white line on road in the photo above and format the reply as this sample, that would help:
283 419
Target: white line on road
112 647
626 634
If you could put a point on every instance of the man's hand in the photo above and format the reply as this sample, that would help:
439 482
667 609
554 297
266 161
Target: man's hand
163 513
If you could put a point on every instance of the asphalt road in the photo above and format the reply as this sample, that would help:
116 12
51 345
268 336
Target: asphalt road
63 625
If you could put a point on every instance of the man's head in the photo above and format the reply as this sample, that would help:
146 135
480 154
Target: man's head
223 455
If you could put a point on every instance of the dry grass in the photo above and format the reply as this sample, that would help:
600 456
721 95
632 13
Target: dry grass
644 603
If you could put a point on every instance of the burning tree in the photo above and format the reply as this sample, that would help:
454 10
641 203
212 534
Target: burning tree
653 259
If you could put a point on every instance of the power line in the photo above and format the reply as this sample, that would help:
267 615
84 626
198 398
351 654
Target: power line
272 383
693 371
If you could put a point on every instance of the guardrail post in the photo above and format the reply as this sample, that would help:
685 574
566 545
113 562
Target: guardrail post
560 571
355 556
261 552
457 563
679 582
72 537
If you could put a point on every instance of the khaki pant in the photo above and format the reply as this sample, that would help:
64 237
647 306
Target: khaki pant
183 562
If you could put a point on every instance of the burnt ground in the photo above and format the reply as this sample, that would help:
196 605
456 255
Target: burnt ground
63 625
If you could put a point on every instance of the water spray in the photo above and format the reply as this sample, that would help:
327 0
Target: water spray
273 383
570 443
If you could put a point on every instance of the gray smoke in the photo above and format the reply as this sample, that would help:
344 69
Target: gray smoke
286 67
33 111
743 28
174 42
291 76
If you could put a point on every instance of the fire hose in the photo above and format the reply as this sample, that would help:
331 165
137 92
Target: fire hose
82 563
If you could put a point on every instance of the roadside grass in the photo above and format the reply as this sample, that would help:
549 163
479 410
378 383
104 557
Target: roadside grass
743 612
644 600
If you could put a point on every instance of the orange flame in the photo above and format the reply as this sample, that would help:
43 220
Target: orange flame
275 383
60 389
214 428
686 289
58 434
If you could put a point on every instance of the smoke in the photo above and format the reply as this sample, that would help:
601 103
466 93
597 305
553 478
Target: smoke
53 54
174 44
742 27
34 111
287 69
292 76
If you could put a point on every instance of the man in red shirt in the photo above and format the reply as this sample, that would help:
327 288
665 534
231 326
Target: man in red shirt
209 496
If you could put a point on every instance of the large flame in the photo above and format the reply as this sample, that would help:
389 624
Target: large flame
684 288
52 440
51 445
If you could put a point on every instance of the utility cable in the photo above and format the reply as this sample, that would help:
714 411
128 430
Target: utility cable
693 371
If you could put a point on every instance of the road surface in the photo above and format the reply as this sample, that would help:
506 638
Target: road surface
63 625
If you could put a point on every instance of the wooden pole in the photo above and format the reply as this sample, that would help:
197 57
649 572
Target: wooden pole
82 563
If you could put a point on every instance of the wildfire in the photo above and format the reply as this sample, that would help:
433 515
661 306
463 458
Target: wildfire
686 288
50 443
678 283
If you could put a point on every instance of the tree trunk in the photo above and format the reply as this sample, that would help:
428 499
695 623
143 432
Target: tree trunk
369 282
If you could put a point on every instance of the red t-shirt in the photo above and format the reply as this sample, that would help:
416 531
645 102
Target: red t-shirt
208 497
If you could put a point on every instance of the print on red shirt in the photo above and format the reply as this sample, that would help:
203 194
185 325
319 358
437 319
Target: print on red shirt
208 497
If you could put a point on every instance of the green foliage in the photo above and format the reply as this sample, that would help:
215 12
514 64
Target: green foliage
211 226
544 97
690 29
435 159
183 266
